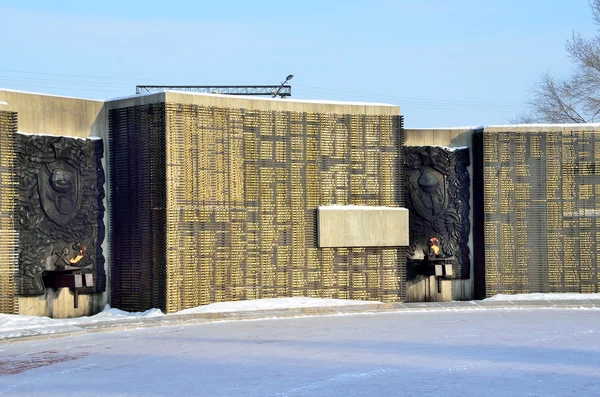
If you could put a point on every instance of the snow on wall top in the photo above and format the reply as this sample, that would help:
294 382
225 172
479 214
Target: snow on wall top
46 94
471 127
356 207
317 101
93 138
534 125
542 125
258 98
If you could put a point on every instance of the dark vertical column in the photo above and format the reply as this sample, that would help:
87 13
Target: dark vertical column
100 179
136 141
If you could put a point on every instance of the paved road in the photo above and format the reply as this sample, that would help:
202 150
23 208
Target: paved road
511 352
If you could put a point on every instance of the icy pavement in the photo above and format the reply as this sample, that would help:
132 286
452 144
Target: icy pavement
500 352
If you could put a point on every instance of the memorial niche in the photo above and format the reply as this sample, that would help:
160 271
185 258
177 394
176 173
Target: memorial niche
437 196
60 214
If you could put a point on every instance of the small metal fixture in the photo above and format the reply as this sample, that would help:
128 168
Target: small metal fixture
288 78
283 90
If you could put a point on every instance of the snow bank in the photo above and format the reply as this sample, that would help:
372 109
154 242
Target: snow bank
12 326
272 304
542 297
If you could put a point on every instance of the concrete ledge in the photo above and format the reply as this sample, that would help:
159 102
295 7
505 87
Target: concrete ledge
362 226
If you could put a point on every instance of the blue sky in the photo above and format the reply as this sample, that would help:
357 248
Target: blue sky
445 63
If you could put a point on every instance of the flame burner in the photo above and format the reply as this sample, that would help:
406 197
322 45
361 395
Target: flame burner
66 258
438 264
77 258
434 247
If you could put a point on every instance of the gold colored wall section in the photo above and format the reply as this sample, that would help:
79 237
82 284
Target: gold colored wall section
243 188
538 192
353 226
9 238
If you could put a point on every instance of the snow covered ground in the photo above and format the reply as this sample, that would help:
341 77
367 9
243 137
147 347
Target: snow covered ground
274 304
500 352
12 326
541 297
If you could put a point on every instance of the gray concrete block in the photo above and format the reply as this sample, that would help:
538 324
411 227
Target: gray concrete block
354 226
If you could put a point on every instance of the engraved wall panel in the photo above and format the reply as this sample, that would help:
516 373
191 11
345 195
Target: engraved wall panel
243 187
539 211
223 202
9 238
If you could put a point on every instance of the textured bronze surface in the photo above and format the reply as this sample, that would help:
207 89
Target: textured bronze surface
437 195
537 211
232 197
60 210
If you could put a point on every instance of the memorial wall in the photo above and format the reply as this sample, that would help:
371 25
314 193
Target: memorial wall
9 237
217 203
52 254
215 198
536 209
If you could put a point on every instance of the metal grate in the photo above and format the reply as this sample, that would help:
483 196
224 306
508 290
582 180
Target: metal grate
9 238
538 204
240 193
136 142
479 264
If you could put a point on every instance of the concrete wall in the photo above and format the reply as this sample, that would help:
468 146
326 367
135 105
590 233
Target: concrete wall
275 104
425 288
61 116
345 226
282 105
55 115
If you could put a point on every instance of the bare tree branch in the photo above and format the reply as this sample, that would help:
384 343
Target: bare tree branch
575 99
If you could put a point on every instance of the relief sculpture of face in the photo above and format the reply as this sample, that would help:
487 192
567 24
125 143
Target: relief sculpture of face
63 183
58 186
428 192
